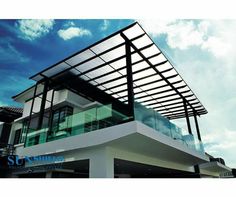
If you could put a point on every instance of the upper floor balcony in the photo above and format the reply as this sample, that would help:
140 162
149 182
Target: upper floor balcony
67 121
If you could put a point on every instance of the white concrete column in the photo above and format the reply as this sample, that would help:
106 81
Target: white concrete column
124 176
101 164
13 176
48 174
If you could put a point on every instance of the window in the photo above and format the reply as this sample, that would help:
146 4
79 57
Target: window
24 131
17 136
60 124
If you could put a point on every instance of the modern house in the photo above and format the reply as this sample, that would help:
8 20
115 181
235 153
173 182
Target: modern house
108 111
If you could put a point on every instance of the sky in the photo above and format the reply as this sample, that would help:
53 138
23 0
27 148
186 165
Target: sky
202 51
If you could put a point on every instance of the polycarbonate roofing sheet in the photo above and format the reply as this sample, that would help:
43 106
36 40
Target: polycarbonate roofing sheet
156 83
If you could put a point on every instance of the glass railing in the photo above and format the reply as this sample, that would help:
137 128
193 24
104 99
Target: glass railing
35 137
82 122
104 116
161 124
199 145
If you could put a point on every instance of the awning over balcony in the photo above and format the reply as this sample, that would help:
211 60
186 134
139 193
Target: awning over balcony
156 83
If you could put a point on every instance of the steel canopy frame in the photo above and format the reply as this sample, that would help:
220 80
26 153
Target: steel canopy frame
111 67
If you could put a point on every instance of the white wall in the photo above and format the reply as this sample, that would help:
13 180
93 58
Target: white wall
76 99
59 97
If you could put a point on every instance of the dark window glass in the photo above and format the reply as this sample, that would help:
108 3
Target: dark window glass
24 131
17 136
60 125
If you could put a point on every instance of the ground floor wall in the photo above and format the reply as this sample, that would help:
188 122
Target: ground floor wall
110 162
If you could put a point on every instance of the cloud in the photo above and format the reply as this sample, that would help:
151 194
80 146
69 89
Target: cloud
180 33
222 145
33 29
9 54
221 38
72 32
68 24
209 69
105 25
183 34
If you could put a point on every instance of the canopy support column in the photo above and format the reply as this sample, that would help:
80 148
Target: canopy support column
197 127
129 76
187 117
31 111
42 107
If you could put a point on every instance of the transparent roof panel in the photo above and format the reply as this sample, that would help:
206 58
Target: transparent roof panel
108 77
148 80
101 71
150 51
154 86
90 64
145 73
80 57
156 82
107 44
59 68
85 77
143 41
118 64
37 77
164 67
136 57
120 88
115 83
133 32
157 105
157 59
113 54
140 66
74 71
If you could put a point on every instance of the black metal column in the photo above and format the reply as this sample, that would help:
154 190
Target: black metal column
50 115
31 111
197 171
51 106
42 107
187 117
129 79
197 127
